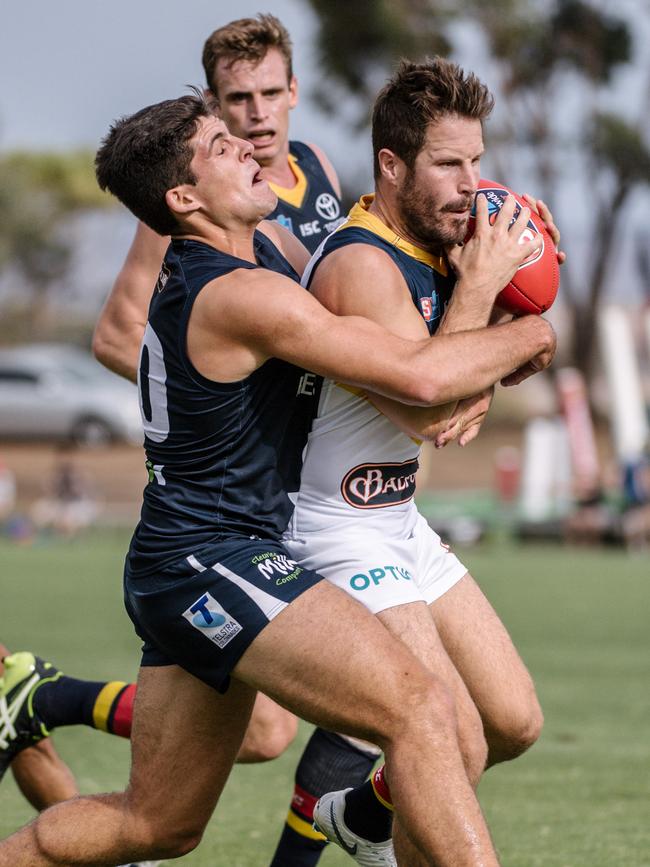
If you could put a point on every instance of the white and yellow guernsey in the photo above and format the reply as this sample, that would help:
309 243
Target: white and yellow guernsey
357 464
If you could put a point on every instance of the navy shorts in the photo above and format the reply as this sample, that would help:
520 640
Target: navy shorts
204 611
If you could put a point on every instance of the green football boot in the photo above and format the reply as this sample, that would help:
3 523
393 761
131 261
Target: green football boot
20 727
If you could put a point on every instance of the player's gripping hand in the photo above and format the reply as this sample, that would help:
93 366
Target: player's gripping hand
488 261
544 212
465 422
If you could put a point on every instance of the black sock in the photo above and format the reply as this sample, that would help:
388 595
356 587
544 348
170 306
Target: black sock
66 702
328 763
366 815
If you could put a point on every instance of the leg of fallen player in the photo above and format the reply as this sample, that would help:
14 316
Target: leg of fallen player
184 742
42 776
351 675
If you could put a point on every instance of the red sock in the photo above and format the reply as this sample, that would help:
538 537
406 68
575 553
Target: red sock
380 787
113 709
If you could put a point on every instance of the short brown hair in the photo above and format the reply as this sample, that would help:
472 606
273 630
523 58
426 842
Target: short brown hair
420 94
148 153
246 39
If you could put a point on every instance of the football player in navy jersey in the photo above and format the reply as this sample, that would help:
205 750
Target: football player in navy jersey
219 604
248 67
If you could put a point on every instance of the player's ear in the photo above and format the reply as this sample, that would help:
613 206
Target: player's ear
390 166
182 199
293 91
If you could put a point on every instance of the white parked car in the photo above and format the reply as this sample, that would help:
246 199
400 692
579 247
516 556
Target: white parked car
55 391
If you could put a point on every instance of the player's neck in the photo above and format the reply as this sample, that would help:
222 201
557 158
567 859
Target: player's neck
278 170
386 210
236 240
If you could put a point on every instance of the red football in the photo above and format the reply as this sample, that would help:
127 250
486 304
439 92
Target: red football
535 284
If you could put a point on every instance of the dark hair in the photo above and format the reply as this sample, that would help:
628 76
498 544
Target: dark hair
148 153
246 39
417 95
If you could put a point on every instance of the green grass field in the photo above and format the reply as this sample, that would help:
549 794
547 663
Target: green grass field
580 798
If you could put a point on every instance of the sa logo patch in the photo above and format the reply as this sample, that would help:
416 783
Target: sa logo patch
426 307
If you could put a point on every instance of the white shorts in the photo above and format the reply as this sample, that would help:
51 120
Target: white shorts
378 570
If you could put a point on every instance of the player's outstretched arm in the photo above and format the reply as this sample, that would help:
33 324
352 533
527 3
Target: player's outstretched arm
119 329
296 327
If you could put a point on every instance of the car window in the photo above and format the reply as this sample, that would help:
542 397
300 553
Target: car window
17 377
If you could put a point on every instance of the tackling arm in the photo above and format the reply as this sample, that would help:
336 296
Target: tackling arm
297 328
119 329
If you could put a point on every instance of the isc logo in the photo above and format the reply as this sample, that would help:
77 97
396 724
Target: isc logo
311 228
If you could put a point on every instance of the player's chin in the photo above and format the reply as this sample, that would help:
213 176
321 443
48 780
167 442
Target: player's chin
266 201
456 227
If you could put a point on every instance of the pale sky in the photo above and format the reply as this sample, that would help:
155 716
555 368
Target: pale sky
69 68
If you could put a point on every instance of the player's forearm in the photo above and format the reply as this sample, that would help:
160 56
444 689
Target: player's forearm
456 366
467 310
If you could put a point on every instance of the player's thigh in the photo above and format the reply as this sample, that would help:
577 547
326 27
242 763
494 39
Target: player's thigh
414 625
485 656
333 663
184 741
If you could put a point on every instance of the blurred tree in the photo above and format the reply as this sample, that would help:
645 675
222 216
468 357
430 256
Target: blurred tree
541 55
37 191
357 44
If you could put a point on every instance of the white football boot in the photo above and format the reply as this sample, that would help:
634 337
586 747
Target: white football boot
328 819
142 864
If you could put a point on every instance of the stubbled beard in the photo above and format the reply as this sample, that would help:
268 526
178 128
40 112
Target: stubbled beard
419 212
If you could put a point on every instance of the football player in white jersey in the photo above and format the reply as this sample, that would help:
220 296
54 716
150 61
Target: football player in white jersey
395 262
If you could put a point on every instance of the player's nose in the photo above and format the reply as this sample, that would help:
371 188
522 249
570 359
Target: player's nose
258 107
246 148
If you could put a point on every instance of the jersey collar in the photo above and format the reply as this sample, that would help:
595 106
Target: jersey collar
292 196
360 216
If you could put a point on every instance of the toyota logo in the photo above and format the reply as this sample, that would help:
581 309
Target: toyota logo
327 206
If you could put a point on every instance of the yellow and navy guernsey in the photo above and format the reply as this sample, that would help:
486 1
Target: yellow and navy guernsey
310 209
358 465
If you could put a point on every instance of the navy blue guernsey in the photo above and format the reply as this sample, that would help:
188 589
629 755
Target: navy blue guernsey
311 209
426 275
214 450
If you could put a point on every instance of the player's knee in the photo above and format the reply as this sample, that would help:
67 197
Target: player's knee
267 738
160 838
427 705
175 844
517 733
528 729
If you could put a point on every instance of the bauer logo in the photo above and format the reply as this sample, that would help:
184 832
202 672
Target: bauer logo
212 620
376 486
